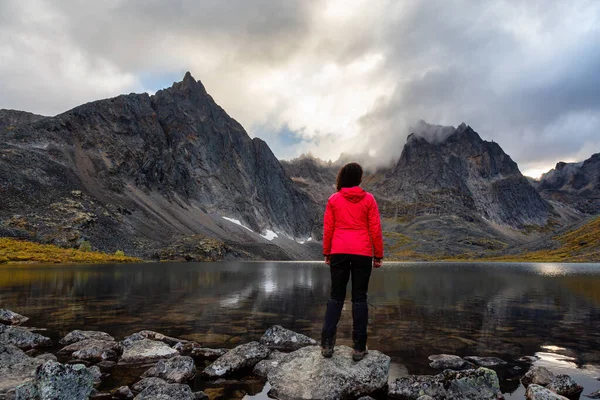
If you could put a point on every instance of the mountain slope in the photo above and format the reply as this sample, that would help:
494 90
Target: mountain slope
137 172
574 184
10 119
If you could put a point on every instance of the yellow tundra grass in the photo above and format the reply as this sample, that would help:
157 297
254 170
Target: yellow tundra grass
21 251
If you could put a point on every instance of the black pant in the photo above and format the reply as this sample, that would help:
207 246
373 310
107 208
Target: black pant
343 266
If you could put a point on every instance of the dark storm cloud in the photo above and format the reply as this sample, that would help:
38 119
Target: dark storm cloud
333 75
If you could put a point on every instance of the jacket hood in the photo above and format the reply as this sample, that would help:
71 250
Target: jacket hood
353 194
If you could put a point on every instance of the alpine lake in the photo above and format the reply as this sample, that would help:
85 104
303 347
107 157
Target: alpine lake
505 310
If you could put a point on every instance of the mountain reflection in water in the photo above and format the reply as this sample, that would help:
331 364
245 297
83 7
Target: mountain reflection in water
417 309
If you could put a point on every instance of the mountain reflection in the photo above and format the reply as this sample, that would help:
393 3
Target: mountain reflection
418 309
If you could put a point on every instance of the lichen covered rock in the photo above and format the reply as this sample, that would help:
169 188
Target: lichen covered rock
242 357
22 338
9 317
279 338
55 381
77 336
472 384
537 392
144 351
174 370
306 374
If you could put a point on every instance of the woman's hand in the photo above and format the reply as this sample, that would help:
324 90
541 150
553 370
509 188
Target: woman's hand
328 260
377 262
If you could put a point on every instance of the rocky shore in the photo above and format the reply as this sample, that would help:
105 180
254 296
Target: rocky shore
80 364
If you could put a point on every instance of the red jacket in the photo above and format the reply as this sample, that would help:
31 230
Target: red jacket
352 224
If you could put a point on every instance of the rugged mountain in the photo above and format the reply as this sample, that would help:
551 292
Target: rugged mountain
450 193
455 170
314 176
137 172
10 119
574 184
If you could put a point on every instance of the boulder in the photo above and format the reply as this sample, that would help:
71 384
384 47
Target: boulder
487 362
93 350
11 318
166 391
16 368
565 386
537 392
123 393
55 381
204 353
47 357
144 351
447 361
279 338
22 338
173 370
145 382
538 376
306 374
263 368
242 357
78 336
425 397
472 384
171 341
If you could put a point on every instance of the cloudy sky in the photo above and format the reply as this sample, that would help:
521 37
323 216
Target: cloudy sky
327 76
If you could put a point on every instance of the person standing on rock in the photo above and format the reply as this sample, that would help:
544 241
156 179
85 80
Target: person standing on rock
352 243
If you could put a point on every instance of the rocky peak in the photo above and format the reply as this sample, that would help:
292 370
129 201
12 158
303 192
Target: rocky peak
454 165
10 119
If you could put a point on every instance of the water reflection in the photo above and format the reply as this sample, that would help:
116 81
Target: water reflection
417 309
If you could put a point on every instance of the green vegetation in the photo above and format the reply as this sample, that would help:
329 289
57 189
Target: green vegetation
119 253
85 246
21 251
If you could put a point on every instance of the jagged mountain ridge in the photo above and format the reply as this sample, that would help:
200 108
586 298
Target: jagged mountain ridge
10 119
574 184
135 171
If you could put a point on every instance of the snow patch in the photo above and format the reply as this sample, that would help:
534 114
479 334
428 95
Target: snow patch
269 235
304 241
237 222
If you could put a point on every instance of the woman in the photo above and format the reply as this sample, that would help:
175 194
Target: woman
352 242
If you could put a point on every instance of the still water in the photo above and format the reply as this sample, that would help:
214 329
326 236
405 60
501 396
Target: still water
416 309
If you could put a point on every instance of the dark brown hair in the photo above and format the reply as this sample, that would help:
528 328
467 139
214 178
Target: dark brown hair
350 175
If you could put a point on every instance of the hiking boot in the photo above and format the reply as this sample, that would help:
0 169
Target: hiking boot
358 355
327 345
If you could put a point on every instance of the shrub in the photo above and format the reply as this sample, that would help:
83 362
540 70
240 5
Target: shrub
119 253
85 246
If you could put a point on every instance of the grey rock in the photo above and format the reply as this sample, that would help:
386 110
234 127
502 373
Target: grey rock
487 362
145 382
77 336
46 357
594 395
174 370
200 396
242 357
366 398
93 350
576 184
537 375
263 368
97 375
171 341
537 392
16 367
446 361
123 393
144 351
22 338
204 353
10 119
9 317
425 397
166 391
106 364
98 395
306 374
472 384
279 338
565 386
55 381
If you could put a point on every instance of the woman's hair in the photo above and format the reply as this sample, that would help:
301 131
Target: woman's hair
350 175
